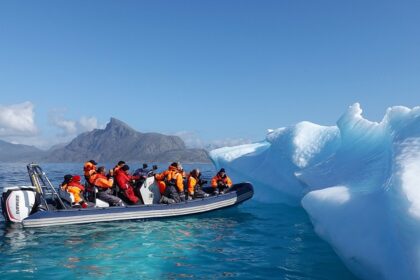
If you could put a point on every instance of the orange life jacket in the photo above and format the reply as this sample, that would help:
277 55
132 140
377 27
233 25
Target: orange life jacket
88 168
175 177
162 177
191 184
76 193
227 181
75 188
103 182
93 177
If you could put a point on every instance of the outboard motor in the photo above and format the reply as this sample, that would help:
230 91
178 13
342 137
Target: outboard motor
149 191
18 203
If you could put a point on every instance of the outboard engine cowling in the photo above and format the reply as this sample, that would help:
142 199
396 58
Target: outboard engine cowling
149 191
18 203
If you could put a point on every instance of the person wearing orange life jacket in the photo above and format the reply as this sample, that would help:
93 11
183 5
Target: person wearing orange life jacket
89 168
162 177
76 188
66 181
72 185
124 182
104 185
194 184
221 182
174 190
89 171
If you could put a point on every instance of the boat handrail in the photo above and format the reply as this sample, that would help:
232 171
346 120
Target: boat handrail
43 184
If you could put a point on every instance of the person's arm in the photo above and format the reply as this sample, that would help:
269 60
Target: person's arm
92 178
160 176
191 185
228 181
121 182
104 183
214 182
80 186
180 183
135 177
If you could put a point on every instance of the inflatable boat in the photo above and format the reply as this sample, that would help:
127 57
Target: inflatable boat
41 204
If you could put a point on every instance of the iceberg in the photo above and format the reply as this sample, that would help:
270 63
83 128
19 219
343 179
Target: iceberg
359 182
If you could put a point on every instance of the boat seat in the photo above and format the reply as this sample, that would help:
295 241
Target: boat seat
66 196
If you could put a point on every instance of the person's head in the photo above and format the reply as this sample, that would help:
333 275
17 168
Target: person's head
93 162
145 165
154 167
195 173
125 167
76 178
222 172
121 163
67 178
174 166
101 170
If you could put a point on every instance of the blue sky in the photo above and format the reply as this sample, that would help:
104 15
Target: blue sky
212 69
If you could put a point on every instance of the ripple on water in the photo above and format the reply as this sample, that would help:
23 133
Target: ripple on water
252 241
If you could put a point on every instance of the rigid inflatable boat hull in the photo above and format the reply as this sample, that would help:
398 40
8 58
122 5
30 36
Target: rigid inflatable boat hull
241 192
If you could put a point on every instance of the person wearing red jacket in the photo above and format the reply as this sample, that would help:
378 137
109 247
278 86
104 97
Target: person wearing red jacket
117 167
124 182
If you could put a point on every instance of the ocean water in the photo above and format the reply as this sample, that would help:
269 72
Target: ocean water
251 241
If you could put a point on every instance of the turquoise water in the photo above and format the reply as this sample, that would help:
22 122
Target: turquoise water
251 241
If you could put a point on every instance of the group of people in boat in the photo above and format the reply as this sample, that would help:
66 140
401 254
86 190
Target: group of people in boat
118 186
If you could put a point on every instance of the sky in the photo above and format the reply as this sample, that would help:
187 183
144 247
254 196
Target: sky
214 72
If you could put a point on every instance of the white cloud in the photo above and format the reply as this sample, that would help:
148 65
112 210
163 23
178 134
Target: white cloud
17 120
71 128
88 123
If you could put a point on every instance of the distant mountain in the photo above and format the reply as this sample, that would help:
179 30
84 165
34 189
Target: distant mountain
19 153
118 141
57 146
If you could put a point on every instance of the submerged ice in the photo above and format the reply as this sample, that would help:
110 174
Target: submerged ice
359 181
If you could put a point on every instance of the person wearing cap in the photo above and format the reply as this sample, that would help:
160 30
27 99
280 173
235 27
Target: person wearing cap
89 168
124 182
194 185
66 180
221 182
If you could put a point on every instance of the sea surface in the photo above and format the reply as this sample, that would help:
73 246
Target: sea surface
252 241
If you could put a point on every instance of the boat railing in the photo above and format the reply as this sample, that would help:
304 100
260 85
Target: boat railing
43 185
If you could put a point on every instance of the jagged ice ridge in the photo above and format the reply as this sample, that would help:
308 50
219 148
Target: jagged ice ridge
359 181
